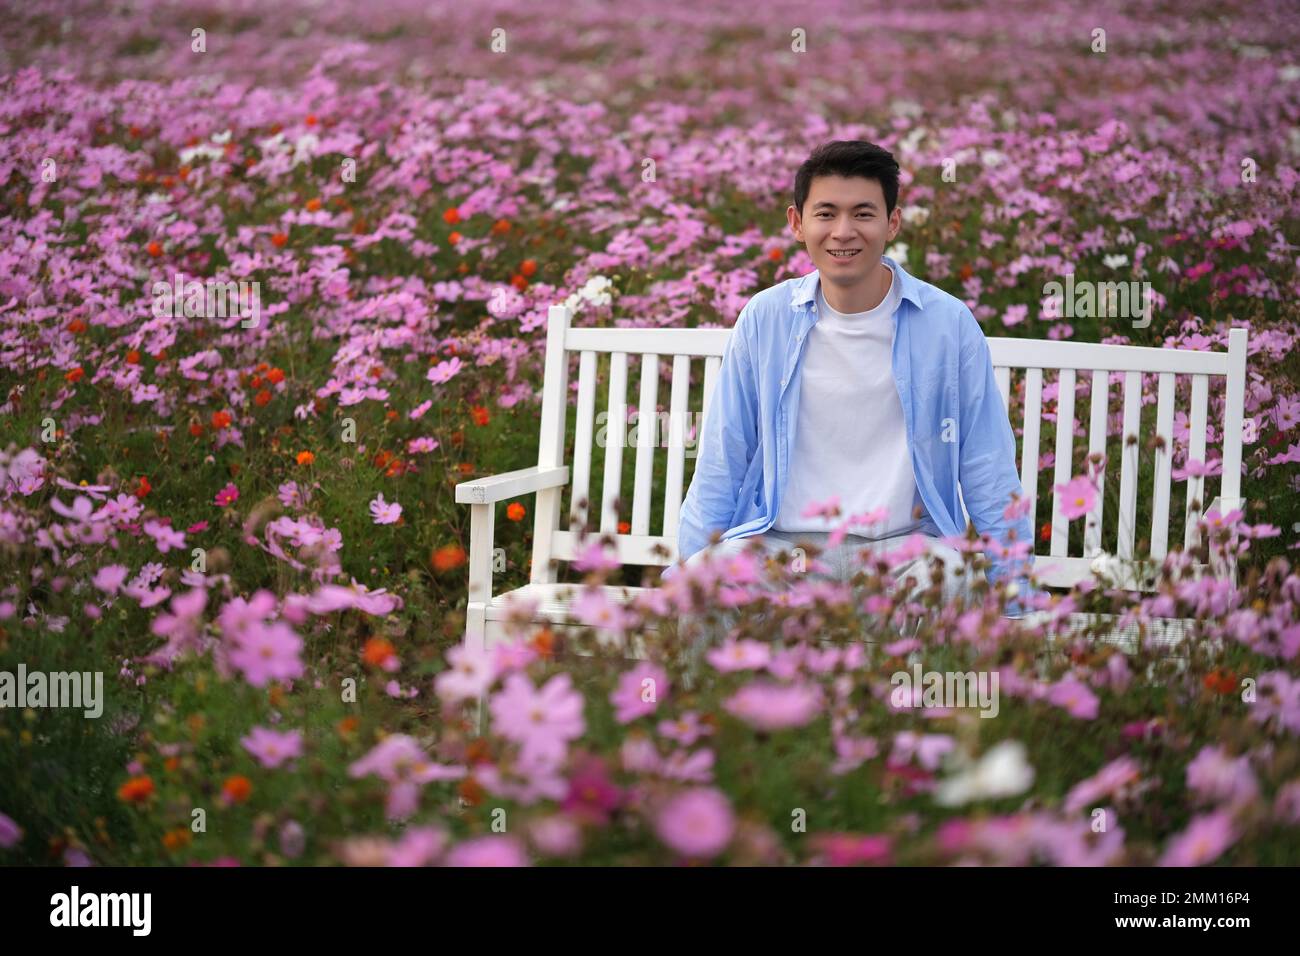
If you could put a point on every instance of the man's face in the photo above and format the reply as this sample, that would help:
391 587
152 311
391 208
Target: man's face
845 213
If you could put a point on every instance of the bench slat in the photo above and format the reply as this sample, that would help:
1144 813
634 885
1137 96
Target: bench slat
1128 457
677 418
580 491
1197 423
711 366
1064 458
1030 353
1029 452
647 439
1233 410
615 439
660 341
1002 375
1164 458
1097 425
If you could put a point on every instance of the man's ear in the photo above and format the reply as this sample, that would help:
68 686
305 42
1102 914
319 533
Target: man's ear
895 223
796 222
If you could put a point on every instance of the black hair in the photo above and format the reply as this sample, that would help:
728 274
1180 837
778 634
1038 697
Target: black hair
849 157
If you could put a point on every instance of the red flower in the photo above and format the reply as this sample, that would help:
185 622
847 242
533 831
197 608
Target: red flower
237 789
136 790
220 420
448 557
1045 532
479 414
451 216
515 511
143 488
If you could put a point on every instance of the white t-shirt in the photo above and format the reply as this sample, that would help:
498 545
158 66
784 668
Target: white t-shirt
849 438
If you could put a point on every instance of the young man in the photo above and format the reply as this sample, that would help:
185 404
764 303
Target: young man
857 382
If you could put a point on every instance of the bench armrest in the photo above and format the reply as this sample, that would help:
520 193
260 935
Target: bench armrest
511 484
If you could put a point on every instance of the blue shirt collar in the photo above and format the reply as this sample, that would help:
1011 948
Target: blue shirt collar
803 291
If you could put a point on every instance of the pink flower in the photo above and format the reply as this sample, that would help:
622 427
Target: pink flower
272 747
10 832
639 692
929 749
1213 775
1113 780
444 371
556 835
470 675
769 706
227 495
686 729
595 556
594 609
488 851
197 527
1015 314
1078 496
1204 841
1075 697
740 656
592 796
400 761
419 410
541 721
1278 698
851 849
110 577
698 823
266 652
385 512
419 846
164 536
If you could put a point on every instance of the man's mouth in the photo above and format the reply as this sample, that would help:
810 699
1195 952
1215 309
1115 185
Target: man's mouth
843 253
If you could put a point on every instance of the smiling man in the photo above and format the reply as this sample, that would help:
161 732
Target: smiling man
858 383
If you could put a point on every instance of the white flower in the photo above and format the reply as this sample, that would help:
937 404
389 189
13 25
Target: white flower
915 215
1115 261
898 252
304 150
596 291
1002 772
992 157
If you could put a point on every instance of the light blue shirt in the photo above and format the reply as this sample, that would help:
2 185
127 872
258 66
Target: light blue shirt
958 432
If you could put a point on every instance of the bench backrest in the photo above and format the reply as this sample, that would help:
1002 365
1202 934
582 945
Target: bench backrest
1019 366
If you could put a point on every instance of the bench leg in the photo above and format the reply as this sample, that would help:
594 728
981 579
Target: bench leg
476 638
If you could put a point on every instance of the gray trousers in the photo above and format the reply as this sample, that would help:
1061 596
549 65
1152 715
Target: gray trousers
841 563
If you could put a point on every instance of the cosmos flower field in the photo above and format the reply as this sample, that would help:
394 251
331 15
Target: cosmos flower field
243 518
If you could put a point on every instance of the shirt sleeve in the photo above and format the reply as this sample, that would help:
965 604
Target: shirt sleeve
987 468
727 444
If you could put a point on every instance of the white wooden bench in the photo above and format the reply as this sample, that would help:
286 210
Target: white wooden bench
1070 365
